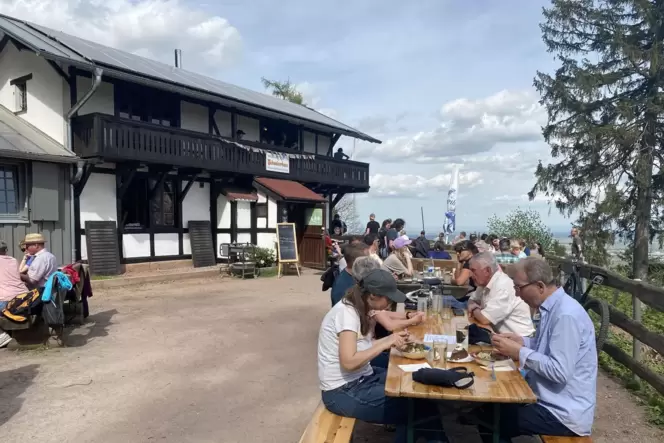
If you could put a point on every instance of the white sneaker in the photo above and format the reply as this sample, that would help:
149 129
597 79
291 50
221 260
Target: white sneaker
4 339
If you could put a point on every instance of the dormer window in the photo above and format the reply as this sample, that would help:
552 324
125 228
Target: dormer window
20 86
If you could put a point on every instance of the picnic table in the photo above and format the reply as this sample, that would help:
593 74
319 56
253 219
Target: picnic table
509 386
455 291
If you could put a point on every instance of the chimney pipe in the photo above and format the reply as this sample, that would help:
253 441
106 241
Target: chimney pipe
178 58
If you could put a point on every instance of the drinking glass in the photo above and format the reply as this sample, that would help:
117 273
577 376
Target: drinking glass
446 311
440 354
462 333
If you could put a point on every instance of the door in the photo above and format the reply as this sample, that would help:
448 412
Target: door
311 246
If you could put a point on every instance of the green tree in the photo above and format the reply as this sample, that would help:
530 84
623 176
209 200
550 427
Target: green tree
284 90
605 117
524 224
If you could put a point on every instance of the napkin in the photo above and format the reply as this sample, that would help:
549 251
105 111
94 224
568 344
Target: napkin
414 367
429 338
509 366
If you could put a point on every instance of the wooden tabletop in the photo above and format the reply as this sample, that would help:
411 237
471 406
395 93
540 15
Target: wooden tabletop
509 386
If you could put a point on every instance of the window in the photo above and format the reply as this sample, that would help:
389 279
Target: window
279 133
21 93
136 102
12 192
161 210
261 209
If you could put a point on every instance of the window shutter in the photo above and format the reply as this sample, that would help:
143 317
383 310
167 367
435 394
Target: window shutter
45 201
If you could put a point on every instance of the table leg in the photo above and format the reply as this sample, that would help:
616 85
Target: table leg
496 423
411 421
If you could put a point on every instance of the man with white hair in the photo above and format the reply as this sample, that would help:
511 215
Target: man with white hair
495 302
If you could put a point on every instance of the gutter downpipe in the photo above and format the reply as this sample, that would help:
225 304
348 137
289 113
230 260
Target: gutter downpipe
81 163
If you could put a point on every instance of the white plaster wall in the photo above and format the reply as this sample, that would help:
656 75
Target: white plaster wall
323 144
272 213
45 91
84 248
250 126
136 245
98 199
223 212
309 142
244 238
221 239
261 197
243 215
261 222
266 240
196 205
223 120
194 117
166 244
102 101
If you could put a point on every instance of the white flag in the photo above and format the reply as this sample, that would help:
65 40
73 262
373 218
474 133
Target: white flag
450 215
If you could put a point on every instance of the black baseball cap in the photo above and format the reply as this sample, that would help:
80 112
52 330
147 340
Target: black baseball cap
380 282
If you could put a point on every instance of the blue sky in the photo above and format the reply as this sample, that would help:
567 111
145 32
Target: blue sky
441 82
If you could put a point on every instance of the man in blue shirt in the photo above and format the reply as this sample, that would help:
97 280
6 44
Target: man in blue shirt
560 361
345 280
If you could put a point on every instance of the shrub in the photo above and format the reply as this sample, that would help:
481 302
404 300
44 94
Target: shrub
264 257
524 224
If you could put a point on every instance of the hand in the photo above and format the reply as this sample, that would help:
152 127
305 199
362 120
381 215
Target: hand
399 339
506 346
511 336
417 318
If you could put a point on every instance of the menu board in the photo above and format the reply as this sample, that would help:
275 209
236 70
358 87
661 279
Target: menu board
287 243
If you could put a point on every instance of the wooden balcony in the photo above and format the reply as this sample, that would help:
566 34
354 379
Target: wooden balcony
115 139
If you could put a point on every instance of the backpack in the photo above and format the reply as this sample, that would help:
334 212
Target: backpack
20 308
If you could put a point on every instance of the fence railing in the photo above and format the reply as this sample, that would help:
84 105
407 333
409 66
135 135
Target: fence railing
641 292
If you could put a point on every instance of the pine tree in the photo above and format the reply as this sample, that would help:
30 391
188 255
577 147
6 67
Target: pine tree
285 90
605 119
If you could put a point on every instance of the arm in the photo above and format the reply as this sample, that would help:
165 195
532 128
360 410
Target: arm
23 267
497 306
393 323
345 156
461 277
349 357
409 266
564 346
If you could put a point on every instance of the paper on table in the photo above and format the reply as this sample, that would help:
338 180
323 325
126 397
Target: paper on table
451 339
509 366
414 367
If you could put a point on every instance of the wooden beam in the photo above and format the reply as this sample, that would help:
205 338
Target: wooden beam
639 369
212 123
337 199
127 178
335 139
234 124
160 182
186 189
78 187
58 69
3 43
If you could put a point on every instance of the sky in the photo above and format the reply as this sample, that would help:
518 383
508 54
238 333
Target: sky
443 83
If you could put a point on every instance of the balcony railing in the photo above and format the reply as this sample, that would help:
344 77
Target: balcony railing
116 139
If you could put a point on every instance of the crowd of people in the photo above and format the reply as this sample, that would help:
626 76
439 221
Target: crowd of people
558 357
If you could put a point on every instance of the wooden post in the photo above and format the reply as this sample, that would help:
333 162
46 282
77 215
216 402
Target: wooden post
636 315
616 294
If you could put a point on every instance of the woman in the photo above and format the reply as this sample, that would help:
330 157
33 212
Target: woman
350 386
494 243
515 246
382 235
399 261
537 250
465 250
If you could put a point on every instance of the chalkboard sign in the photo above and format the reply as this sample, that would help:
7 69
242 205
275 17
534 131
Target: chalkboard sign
287 243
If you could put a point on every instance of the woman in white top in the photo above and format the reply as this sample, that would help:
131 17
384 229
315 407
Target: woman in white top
399 261
350 386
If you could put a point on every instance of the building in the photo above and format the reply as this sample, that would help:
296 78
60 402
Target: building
161 146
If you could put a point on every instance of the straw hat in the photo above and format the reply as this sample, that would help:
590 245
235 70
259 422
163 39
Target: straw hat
32 239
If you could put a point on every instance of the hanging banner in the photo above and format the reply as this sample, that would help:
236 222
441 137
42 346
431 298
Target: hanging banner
450 215
276 162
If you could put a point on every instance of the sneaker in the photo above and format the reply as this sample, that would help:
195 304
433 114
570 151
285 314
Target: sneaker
4 339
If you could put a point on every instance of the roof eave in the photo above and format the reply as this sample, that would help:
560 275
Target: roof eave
39 157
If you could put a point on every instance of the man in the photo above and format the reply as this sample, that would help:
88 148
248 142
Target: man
371 240
336 227
421 246
516 249
11 285
577 244
43 265
560 361
495 302
345 280
339 155
372 225
460 237
505 256
481 244
393 233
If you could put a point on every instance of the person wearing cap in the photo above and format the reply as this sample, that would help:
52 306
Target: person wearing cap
43 265
350 386
11 284
399 261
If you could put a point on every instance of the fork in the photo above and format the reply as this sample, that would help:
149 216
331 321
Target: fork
493 372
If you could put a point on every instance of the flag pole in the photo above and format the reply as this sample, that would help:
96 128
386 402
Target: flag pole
422 212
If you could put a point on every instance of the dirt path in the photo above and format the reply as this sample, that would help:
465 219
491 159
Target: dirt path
224 361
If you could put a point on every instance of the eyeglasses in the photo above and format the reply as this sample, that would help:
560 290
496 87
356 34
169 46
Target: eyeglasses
519 288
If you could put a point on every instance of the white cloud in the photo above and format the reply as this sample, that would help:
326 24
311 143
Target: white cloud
468 127
417 186
151 28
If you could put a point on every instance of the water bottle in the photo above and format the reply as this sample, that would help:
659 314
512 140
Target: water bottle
422 303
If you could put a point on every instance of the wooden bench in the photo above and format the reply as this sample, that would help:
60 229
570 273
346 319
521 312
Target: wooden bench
326 427
553 439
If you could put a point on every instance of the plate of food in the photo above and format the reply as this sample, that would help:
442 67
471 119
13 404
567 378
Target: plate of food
486 358
414 351
459 355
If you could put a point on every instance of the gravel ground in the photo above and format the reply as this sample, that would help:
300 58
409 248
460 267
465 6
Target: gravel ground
217 361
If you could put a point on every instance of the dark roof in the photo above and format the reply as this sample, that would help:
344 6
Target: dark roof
57 45
289 190
19 139
240 194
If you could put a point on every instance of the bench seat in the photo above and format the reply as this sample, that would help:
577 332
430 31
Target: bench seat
326 427
554 439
